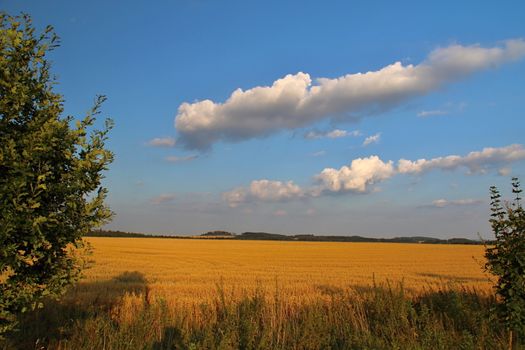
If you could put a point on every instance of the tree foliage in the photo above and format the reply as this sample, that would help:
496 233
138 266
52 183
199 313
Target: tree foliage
50 173
506 259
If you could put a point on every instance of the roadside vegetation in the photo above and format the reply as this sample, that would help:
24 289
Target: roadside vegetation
378 317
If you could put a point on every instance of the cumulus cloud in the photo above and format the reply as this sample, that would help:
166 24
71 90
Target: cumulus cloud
475 162
334 134
176 159
163 198
264 190
357 177
295 101
162 142
363 174
372 139
442 203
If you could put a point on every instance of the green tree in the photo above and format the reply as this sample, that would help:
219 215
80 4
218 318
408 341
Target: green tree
506 259
50 174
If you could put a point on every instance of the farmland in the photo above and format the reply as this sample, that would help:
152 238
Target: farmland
187 271
141 293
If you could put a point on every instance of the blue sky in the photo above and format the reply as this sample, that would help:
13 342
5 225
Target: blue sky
288 152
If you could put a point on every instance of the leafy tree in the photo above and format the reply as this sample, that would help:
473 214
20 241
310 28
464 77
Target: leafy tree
506 259
50 174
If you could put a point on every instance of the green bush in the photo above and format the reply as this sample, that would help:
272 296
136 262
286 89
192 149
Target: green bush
50 173
506 259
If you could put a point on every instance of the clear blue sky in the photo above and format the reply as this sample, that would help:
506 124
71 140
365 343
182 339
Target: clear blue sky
339 101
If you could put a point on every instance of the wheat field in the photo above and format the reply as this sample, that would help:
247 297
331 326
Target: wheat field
190 271
154 293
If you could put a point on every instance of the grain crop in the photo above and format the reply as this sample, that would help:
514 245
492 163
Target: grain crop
186 271
155 293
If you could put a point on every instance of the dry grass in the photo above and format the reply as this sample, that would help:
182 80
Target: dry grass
189 271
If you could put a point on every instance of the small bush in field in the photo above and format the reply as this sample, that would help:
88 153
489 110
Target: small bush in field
506 259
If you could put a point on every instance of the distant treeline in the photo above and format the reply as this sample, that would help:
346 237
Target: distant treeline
107 233
313 238
110 233
265 236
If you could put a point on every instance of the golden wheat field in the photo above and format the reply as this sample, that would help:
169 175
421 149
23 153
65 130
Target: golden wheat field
190 271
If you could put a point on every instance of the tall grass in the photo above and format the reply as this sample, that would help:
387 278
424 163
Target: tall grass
376 317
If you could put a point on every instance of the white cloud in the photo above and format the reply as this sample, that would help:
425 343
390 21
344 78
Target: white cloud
274 190
264 190
364 174
447 109
372 139
163 198
176 159
334 134
337 133
431 113
162 142
475 162
357 177
235 197
441 203
294 101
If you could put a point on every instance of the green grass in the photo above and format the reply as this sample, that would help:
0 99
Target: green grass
379 317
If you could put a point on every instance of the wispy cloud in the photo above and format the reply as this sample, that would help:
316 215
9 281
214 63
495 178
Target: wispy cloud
318 154
333 134
447 109
162 142
424 114
506 171
442 203
372 139
163 198
176 159
296 100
